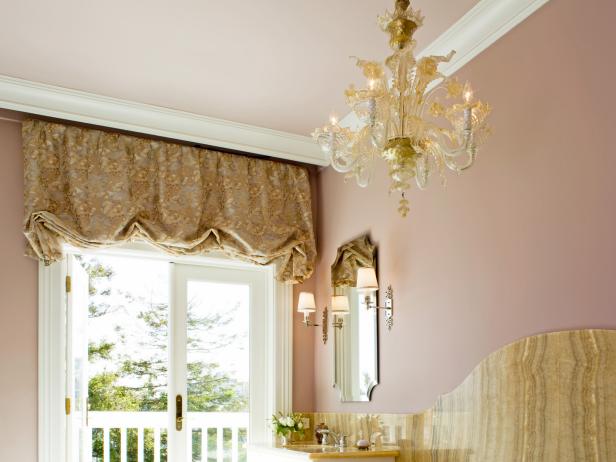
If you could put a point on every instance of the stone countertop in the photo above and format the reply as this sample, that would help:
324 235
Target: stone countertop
315 451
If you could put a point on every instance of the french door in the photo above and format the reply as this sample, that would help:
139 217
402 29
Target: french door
195 290
165 361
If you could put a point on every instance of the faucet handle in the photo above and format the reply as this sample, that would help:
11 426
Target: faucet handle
374 438
340 440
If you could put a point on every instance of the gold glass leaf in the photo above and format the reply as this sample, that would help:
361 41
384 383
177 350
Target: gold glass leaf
428 67
454 88
371 69
437 109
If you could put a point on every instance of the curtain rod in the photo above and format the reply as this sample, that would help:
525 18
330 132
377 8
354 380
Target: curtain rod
165 139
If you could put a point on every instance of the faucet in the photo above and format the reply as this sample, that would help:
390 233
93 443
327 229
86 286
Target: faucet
340 440
374 435
374 438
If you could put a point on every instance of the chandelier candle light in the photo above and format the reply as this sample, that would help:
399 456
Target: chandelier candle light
413 116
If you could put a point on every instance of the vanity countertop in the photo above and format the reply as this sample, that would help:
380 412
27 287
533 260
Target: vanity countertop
313 451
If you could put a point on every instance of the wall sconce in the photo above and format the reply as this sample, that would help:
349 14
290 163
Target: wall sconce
306 305
368 285
340 308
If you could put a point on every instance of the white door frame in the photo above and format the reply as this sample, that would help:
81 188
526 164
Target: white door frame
52 334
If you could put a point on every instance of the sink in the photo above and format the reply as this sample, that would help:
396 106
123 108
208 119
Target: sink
313 448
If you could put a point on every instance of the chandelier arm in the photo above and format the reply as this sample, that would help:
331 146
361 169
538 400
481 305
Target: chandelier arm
430 95
453 165
447 145
423 172
341 167
465 147
450 154
451 159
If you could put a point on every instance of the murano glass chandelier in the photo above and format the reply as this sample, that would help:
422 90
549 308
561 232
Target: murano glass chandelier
413 117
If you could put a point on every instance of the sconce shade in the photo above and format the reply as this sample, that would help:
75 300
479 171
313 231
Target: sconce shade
366 280
340 305
305 303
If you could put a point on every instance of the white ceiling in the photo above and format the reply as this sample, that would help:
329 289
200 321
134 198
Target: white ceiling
279 64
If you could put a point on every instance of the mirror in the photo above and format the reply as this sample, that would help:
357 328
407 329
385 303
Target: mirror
356 333
356 350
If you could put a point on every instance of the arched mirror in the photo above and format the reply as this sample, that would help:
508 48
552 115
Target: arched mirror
355 328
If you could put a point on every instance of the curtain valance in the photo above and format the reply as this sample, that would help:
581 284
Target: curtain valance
358 253
91 188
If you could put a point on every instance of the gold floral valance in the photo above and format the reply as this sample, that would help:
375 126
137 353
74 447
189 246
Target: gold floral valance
91 188
358 253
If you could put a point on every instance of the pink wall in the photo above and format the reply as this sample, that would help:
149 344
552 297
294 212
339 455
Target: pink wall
303 339
18 305
522 243
303 356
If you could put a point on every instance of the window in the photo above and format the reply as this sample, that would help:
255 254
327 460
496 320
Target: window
159 359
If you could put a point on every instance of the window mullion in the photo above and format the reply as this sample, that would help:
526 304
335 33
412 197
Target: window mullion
177 363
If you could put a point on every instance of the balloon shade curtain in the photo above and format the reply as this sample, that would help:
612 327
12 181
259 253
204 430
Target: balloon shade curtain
91 188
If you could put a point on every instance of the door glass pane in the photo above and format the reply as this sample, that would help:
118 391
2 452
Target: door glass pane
127 317
218 369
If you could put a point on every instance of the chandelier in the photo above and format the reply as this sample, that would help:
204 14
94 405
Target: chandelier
412 116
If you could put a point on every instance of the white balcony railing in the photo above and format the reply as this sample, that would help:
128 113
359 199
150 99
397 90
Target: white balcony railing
157 423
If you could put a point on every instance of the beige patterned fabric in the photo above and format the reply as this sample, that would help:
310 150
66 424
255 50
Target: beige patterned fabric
359 253
91 188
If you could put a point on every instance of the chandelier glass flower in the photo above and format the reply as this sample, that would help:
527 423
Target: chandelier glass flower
412 116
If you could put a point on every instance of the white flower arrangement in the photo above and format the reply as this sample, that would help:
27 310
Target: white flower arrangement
285 425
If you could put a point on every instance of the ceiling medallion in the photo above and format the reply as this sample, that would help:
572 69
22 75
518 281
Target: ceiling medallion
413 117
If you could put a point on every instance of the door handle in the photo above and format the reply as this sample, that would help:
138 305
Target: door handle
179 418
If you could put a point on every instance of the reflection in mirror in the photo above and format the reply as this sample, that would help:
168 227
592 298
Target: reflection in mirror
356 349
356 346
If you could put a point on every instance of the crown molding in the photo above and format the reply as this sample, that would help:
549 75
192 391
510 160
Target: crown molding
78 106
483 25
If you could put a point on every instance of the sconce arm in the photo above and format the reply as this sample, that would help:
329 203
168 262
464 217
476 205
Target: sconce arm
372 307
388 308
309 323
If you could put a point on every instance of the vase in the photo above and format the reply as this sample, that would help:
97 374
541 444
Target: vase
285 439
